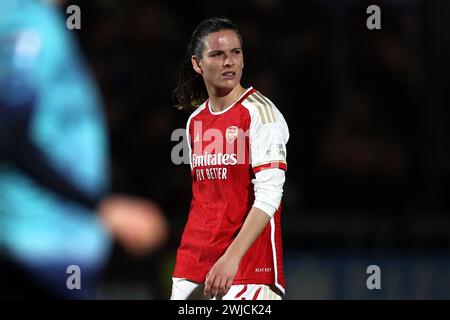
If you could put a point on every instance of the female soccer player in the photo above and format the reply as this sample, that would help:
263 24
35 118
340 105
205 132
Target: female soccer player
237 137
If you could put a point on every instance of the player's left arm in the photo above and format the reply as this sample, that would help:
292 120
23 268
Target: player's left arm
268 152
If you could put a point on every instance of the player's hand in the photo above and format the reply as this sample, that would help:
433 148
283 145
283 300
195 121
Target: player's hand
137 224
220 277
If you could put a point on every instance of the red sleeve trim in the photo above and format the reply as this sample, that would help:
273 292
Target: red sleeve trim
271 165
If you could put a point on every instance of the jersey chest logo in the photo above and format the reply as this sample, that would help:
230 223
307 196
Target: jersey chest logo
231 134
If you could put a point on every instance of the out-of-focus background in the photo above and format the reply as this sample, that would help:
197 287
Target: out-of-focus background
369 156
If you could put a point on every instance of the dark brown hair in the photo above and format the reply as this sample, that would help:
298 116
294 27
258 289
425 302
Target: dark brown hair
191 90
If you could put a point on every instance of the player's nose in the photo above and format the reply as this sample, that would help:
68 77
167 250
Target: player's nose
228 61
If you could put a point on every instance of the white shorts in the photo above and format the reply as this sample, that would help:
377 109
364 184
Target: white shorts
183 288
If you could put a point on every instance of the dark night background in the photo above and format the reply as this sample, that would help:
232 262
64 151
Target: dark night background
368 177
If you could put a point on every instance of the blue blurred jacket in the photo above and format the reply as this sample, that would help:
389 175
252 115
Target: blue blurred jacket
43 77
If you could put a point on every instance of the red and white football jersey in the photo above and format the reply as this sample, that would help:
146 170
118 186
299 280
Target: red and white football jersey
227 148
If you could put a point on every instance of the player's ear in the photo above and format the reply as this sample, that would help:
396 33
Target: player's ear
196 64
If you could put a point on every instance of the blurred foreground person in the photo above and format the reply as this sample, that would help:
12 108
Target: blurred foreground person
55 210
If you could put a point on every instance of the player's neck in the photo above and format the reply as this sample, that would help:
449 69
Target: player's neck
219 102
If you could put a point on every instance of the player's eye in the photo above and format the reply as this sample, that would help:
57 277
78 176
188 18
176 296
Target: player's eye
237 51
215 54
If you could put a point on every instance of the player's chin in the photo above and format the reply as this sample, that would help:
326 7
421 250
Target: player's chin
228 85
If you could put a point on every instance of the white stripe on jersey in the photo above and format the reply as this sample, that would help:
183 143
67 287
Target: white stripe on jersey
196 112
274 251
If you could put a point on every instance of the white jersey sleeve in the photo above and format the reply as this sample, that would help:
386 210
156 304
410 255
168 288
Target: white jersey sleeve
268 190
268 134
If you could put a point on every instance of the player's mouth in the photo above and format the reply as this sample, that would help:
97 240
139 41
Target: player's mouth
228 75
